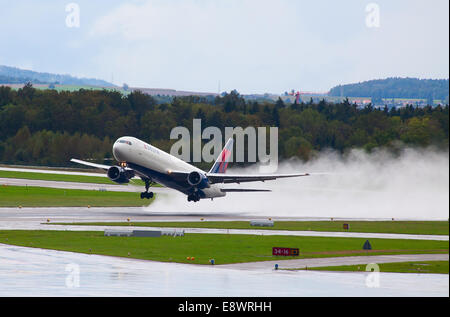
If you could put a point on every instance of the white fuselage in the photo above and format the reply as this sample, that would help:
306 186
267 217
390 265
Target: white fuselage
159 163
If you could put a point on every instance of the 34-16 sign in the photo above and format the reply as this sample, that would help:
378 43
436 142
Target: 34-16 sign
285 251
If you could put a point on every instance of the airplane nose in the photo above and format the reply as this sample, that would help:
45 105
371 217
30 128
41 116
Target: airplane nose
118 152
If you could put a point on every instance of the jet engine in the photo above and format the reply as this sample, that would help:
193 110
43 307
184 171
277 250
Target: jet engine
198 180
119 174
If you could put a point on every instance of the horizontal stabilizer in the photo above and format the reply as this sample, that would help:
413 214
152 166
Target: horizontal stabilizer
243 190
229 178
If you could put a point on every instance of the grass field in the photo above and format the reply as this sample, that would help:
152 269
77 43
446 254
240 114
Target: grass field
404 227
27 196
436 267
56 177
64 178
220 247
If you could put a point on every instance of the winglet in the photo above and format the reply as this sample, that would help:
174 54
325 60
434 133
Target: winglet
221 164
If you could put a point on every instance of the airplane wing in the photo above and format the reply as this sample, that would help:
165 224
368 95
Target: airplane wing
179 176
230 178
106 167
100 166
215 178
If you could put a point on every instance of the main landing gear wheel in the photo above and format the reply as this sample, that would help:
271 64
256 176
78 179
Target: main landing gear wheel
147 194
193 197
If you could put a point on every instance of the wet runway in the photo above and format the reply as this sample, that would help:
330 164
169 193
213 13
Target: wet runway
37 218
79 214
36 272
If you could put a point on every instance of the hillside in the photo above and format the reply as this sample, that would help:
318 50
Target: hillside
410 88
13 75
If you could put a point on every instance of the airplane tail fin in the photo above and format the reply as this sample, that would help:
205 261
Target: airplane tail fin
221 164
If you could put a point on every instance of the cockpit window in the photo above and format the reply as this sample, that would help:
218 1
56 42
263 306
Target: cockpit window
124 141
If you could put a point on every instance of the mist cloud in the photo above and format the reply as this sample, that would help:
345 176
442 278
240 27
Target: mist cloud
413 185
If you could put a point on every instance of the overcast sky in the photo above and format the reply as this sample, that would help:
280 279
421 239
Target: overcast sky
254 46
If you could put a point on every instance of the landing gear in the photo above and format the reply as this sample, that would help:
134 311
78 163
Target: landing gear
193 197
147 194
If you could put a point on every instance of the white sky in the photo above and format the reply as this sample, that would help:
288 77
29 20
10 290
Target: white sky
254 46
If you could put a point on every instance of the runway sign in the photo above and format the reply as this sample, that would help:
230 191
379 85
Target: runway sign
285 251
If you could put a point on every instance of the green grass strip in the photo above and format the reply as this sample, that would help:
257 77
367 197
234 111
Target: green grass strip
436 267
222 248
403 227
63 178
27 196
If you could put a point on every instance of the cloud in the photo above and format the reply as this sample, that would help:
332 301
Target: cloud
258 46
193 44
251 45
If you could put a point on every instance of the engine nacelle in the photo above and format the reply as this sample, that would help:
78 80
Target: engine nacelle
119 174
198 180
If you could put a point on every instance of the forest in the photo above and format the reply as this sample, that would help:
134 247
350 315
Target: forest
408 88
47 127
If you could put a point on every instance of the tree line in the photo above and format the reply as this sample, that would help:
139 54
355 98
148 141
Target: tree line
47 127
409 88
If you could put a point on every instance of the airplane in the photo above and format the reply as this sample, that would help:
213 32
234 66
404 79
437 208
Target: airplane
152 165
